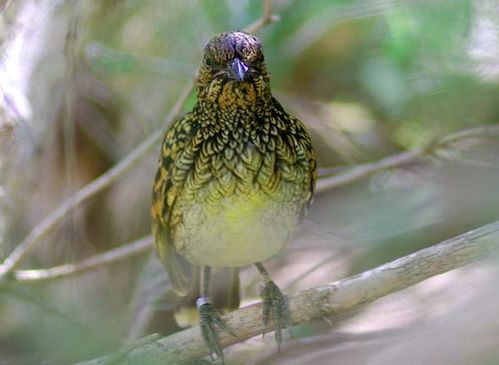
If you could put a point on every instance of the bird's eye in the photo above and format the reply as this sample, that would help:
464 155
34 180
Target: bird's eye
256 58
251 55
210 62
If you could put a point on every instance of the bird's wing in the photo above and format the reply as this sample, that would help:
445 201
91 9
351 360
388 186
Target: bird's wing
300 143
167 187
305 146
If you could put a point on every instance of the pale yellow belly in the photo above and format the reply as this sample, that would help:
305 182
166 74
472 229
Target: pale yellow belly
236 231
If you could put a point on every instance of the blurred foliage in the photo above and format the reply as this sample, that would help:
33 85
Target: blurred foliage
83 82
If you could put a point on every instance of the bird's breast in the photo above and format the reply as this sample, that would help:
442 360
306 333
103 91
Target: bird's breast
235 230
241 200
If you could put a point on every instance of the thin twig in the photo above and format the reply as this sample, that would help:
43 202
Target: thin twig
362 171
45 226
492 130
332 299
94 262
264 20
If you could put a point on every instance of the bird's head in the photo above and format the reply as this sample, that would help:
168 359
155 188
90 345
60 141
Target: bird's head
233 70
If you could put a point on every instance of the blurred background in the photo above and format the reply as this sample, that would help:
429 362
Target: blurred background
82 83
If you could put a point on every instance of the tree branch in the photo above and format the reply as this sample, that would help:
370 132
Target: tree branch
93 262
362 171
89 190
264 20
331 299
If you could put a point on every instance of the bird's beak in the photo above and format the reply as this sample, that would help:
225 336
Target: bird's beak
239 69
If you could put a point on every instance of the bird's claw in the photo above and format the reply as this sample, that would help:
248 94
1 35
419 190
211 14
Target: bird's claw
275 307
209 319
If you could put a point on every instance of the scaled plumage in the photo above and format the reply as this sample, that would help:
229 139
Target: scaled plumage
234 178
235 173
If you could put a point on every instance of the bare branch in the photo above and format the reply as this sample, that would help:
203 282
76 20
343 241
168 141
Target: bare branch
335 298
265 19
362 171
479 132
89 190
94 262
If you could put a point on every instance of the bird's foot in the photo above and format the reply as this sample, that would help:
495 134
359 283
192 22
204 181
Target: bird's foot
275 308
208 320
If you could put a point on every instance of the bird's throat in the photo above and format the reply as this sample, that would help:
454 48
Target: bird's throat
237 95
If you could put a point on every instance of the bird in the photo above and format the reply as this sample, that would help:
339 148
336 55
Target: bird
235 178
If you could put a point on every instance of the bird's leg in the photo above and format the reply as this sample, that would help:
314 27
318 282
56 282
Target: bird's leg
209 318
275 306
